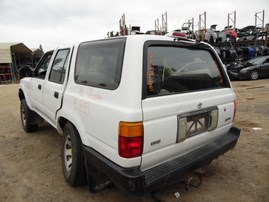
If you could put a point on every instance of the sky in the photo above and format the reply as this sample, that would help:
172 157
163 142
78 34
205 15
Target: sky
60 23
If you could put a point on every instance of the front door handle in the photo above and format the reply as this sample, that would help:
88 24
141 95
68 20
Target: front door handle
39 86
56 94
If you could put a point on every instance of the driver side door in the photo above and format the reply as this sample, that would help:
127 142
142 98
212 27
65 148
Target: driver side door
55 83
38 80
265 67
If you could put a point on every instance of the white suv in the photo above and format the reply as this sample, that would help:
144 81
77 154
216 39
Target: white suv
139 111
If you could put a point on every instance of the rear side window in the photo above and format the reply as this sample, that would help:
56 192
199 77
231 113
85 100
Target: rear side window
99 63
59 65
176 69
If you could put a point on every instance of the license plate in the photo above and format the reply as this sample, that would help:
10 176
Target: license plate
197 122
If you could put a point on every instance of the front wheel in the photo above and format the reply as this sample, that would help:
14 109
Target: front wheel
254 75
72 157
28 118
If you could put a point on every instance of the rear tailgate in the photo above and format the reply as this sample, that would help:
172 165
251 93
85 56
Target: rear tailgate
161 123
188 101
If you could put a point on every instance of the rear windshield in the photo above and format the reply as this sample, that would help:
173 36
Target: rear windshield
174 69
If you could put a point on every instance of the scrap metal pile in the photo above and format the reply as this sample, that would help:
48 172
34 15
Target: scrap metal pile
236 47
237 44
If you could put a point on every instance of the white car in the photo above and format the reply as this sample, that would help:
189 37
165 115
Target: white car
138 111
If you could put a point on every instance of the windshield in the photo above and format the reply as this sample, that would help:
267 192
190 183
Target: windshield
176 69
255 61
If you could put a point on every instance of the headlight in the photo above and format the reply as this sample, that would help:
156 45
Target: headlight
244 70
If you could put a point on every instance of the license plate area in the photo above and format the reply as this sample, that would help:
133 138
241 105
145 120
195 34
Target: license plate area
197 122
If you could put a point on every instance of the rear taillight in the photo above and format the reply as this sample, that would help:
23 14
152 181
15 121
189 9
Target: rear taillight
234 110
131 137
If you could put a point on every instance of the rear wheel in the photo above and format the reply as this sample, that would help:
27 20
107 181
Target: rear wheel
72 157
254 75
28 118
73 164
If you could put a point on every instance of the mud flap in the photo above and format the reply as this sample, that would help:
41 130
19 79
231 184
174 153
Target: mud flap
96 180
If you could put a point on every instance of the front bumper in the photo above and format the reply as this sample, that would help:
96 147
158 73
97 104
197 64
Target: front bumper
238 74
233 74
136 181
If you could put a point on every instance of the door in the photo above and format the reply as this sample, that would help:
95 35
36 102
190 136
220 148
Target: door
265 68
37 82
55 84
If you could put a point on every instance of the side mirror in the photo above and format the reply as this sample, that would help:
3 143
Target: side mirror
25 71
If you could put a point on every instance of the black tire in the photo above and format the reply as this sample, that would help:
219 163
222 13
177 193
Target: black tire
28 118
72 157
254 75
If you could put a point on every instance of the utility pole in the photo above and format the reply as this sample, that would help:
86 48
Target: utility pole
157 26
233 20
266 35
164 23
123 28
259 19
202 26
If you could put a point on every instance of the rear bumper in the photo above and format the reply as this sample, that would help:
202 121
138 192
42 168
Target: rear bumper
134 180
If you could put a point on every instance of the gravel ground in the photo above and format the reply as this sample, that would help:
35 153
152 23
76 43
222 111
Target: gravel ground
30 164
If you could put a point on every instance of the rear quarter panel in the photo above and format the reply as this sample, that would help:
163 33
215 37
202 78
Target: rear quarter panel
97 112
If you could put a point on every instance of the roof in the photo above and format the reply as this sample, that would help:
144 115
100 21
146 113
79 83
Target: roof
5 53
37 52
7 48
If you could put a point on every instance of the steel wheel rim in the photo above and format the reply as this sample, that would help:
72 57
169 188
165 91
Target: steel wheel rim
68 153
23 117
254 75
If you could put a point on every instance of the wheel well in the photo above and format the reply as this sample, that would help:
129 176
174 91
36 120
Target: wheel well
255 70
62 122
21 95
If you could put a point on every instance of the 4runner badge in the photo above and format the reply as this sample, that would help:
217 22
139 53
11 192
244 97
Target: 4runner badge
199 106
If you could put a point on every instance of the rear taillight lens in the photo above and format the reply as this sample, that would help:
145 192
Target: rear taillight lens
214 115
234 110
131 137
182 132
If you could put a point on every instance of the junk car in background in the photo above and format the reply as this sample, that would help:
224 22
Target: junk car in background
252 69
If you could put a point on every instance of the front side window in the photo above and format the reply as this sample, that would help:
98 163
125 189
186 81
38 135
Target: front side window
42 66
59 65
176 69
99 63
266 61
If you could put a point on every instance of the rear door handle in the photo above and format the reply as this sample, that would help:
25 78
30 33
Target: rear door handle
56 94
39 86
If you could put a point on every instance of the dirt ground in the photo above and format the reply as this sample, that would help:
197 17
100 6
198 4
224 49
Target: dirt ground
30 164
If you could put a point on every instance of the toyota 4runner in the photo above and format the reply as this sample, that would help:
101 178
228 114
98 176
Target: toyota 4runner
137 111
